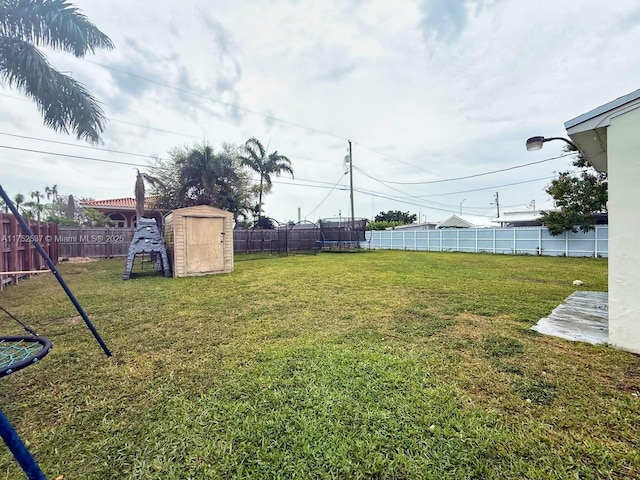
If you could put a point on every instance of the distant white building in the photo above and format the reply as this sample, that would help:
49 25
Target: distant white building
466 221
532 219
414 227
526 218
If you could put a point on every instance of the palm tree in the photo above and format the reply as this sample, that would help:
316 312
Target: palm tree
64 102
52 192
37 195
139 196
198 175
18 199
139 191
265 165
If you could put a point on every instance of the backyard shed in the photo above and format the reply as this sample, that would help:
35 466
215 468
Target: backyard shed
199 240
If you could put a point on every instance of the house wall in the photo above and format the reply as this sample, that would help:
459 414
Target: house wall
624 230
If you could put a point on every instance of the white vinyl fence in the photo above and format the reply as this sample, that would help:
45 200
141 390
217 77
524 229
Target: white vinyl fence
515 241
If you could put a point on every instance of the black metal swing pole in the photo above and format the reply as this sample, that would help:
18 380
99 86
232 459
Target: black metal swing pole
27 231
19 450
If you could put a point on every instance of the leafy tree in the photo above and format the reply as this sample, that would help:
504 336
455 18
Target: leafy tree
255 157
382 225
65 103
201 176
264 223
578 198
402 218
91 217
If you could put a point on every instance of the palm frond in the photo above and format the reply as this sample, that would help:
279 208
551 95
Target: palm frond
54 23
64 102
254 148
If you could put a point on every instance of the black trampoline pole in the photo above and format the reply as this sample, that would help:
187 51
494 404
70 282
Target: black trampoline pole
27 231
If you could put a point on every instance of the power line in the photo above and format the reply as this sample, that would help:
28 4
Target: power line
326 196
155 128
247 110
74 156
292 124
220 102
514 167
300 126
81 146
124 122
291 183
486 188
417 197
377 152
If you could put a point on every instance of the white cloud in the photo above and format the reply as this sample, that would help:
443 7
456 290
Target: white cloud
452 91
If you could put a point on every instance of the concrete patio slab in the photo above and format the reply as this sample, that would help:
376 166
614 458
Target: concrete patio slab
582 317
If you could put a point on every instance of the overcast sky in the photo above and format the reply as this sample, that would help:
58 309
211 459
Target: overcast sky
426 90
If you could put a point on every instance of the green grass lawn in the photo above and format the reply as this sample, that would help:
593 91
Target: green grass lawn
373 365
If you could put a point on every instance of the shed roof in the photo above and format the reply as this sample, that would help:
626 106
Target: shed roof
201 210
589 130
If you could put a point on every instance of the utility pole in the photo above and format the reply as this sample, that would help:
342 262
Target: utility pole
353 223
498 205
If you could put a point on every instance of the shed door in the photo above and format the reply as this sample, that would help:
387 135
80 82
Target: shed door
204 244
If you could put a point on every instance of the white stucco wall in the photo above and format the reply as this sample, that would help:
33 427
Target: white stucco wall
623 152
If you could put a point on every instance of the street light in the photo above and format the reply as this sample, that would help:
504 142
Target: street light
535 143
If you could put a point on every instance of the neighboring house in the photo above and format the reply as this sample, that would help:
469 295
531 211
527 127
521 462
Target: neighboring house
122 211
532 219
466 221
526 218
414 227
609 138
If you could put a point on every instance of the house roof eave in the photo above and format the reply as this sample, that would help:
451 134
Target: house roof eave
589 130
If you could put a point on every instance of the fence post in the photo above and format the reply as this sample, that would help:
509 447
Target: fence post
457 240
404 244
494 240
566 244
476 240
440 232
539 240
595 246
415 240
513 231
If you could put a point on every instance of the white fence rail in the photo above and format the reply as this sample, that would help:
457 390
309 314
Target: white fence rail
515 241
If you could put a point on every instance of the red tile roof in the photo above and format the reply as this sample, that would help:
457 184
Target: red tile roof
149 203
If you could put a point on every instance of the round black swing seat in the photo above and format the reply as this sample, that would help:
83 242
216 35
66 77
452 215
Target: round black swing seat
18 352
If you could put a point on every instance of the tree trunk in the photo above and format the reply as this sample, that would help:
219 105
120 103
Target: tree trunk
260 201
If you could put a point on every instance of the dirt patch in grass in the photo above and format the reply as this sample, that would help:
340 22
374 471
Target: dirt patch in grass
77 320
536 280
78 260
